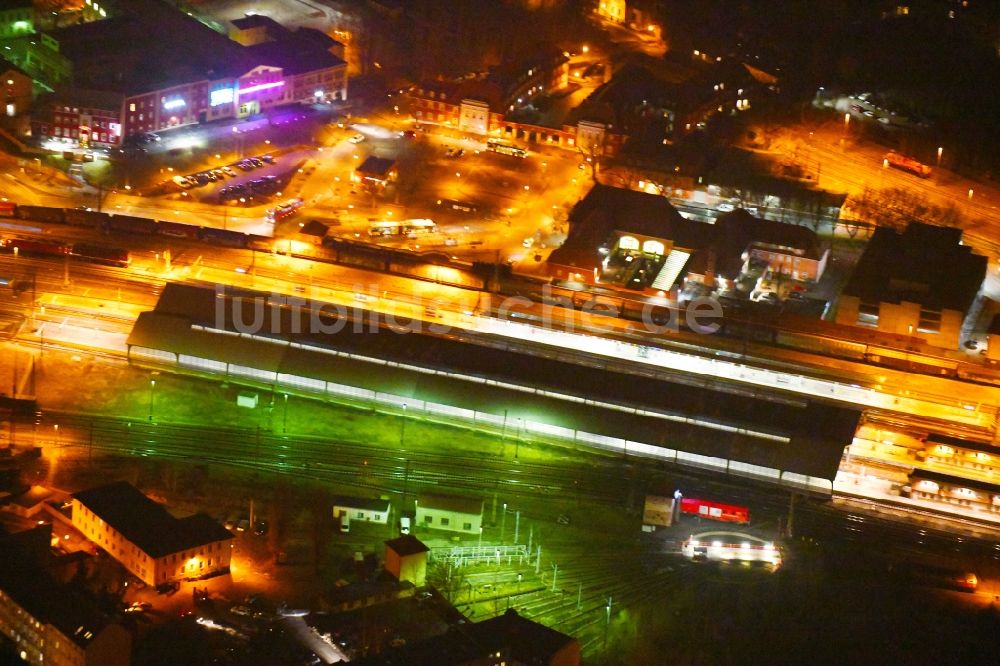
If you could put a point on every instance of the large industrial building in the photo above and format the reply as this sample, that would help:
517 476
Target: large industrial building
132 63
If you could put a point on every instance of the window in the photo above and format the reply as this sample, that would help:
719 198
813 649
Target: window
428 520
868 314
653 247
467 527
445 521
930 321
361 514
628 243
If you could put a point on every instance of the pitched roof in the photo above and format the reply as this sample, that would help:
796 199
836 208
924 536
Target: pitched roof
451 503
370 503
607 209
146 523
378 166
407 545
522 641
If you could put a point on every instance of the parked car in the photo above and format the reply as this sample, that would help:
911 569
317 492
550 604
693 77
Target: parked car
241 610
357 138
229 171
260 527
139 607
268 158
242 525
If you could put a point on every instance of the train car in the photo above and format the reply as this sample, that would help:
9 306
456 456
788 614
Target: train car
130 224
42 214
8 209
729 513
908 164
177 230
85 217
224 237
936 576
101 254
912 362
35 247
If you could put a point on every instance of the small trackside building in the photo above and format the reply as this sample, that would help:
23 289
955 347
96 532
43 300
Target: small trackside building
406 559
363 509
146 539
447 512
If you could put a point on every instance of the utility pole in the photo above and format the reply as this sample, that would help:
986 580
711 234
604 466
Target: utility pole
579 594
555 574
538 560
517 526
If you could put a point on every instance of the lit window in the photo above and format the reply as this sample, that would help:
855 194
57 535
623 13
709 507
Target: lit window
628 243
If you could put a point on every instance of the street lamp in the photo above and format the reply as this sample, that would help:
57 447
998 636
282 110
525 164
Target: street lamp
152 388
284 418
503 522
480 549
940 151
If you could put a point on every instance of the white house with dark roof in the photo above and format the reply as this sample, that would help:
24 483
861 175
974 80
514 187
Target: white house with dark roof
451 513
363 509
146 539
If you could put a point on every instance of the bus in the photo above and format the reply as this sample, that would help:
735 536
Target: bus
383 228
504 148
283 210
420 227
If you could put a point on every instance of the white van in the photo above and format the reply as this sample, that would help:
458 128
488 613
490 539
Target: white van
404 525
345 524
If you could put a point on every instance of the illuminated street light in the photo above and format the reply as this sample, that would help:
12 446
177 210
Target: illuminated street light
940 151
970 194
152 389
284 418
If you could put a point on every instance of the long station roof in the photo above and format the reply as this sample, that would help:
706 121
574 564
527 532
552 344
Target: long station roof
797 435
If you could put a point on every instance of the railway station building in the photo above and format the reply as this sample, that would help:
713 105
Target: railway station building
560 398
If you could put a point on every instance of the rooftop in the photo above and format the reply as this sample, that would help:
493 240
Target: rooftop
137 51
25 577
924 264
372 504
146 523
377 166
519 640
407 545
607 209
467 505
817 432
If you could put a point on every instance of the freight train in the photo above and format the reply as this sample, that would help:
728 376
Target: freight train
89 252
132 225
